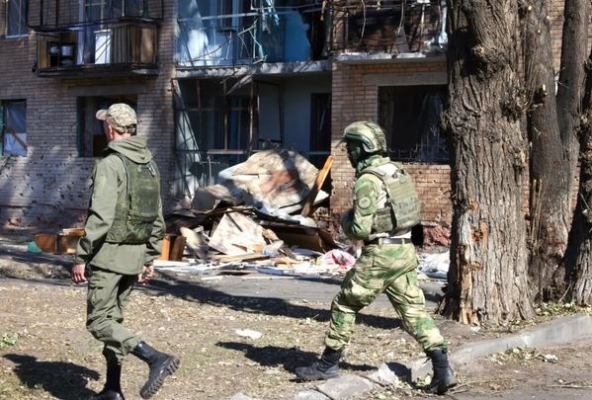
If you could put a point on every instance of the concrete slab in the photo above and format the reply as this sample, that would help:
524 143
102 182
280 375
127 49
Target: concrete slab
345 386
310 395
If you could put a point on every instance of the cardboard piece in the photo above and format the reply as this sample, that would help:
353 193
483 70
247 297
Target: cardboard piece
237 234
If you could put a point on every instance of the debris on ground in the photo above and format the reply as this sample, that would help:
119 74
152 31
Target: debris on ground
265 215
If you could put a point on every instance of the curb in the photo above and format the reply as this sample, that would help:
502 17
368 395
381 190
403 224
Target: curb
559 331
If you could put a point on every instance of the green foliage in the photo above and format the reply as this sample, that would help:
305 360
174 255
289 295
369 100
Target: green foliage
559 309
8 339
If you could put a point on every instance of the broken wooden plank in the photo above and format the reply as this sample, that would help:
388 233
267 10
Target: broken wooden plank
178 248
166 248
309 201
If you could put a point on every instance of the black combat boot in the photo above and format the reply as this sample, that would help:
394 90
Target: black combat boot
161 365
443 378
327 367
112 389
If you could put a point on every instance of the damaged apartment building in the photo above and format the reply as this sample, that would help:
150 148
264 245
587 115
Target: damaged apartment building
213 82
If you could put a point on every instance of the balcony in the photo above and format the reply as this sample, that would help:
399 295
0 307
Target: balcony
96 38
98 50
386 29
251 35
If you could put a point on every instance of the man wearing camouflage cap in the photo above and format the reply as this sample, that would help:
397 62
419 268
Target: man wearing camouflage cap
124 230
385 209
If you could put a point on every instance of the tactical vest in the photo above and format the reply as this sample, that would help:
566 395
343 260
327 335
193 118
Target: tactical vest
136 213
403 208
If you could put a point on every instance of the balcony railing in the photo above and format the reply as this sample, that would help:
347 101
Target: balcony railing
391 27
95 37
262 35
128 47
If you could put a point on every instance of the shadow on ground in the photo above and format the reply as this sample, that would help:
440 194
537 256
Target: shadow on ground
193 291
63 380
288 358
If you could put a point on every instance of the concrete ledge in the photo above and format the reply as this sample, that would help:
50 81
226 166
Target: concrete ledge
559 331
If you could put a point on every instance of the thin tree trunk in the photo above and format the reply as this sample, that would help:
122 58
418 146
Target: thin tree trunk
569 99
581 274
549 180
487 280
579 253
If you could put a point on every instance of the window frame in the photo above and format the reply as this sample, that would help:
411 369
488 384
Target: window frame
4 127
418 136
86 109
23 29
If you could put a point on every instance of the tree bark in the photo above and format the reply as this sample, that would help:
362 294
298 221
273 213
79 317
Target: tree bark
569 104
550 210
578 257
487 280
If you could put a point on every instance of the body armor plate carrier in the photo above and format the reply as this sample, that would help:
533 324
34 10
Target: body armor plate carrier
135 215
403 208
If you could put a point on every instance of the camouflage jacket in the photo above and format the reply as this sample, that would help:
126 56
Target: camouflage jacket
369 196
109 188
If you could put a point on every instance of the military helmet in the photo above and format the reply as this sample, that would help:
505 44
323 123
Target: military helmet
369 134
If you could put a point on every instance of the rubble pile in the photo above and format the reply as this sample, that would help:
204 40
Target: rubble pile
257 218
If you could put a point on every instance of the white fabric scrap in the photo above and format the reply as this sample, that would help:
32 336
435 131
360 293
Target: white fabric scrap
249 333
435 265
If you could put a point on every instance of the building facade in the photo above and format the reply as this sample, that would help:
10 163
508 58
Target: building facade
212 82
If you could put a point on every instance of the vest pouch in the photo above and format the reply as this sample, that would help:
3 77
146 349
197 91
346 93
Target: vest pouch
383 220
404 202
139 229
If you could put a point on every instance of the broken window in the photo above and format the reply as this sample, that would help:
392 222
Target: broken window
214 129
91 136
411 117
220 121
226 32
16 18
13 127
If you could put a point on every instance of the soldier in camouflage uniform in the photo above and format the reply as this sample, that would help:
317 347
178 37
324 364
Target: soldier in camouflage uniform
385 208
123 235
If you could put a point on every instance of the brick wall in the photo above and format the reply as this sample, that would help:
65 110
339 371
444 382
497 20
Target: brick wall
555 11
355 97
50 187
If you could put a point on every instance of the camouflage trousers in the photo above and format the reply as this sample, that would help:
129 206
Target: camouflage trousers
390 269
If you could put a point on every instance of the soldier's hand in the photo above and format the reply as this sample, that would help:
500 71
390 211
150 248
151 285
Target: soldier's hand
146 275
77 273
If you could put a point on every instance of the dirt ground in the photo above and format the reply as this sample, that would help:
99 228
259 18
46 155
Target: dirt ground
46 353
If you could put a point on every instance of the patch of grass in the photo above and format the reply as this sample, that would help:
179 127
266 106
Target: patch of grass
560 309
8 340
518 355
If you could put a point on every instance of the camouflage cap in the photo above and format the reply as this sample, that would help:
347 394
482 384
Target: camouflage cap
120 116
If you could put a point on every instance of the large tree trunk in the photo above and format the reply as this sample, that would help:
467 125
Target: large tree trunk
550 210
487 280
569 99
579 253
